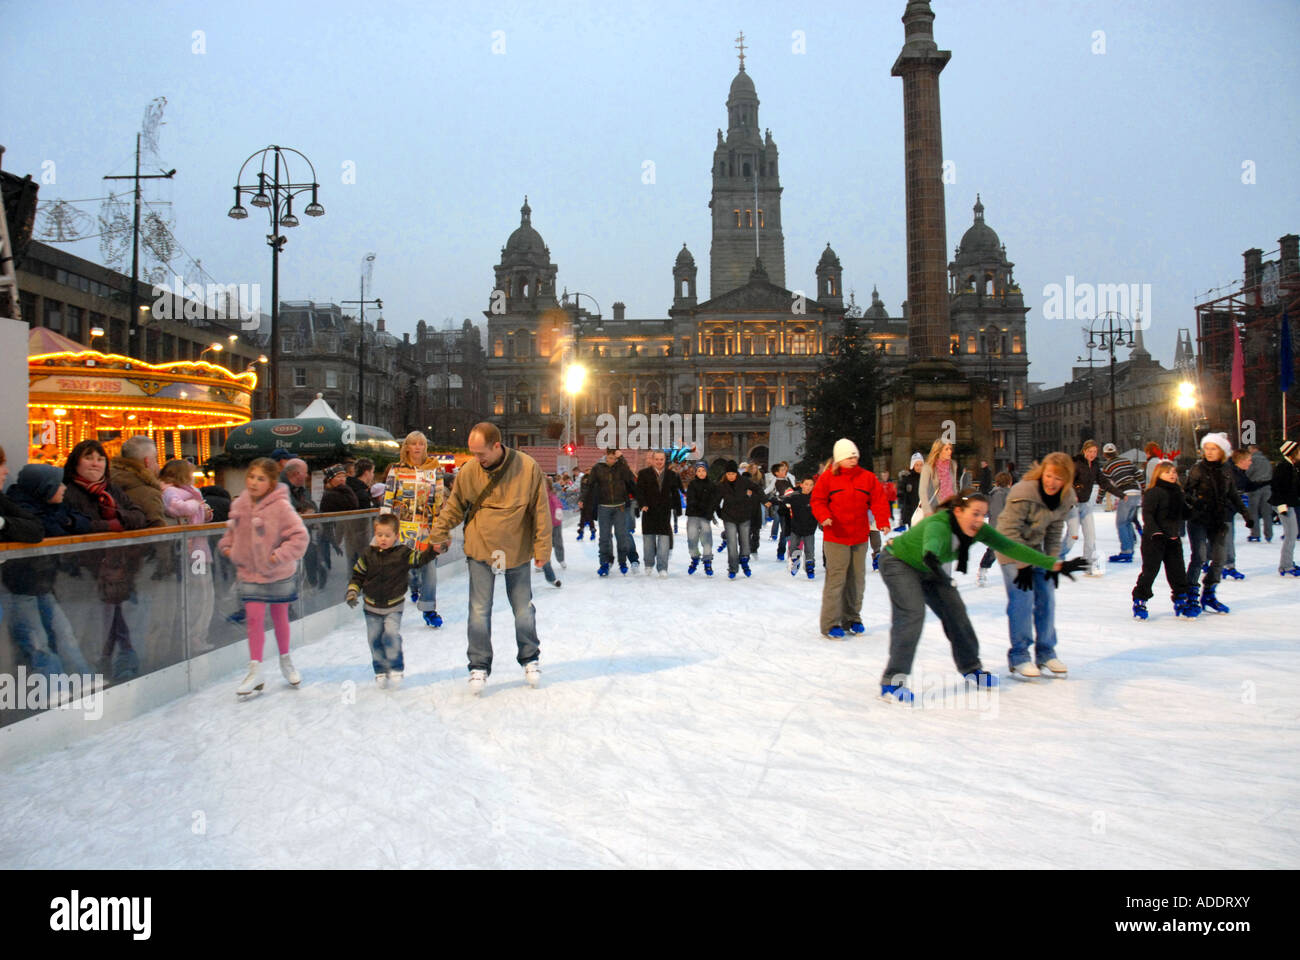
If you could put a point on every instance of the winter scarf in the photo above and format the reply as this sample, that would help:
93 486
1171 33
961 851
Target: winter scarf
963 541
1050 500
107 505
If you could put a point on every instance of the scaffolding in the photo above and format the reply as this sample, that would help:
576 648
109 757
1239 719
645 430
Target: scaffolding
1256 310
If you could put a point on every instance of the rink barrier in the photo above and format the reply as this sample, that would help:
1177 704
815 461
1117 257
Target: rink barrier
146 613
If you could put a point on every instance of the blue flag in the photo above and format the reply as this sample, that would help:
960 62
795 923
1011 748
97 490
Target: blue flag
1288 364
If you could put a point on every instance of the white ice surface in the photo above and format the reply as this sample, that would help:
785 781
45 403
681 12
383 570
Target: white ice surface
706 723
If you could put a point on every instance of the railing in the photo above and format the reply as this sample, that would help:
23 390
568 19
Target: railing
122 606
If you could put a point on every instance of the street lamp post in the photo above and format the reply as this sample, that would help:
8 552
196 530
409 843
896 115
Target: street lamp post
279 204
1092 398
361 339
575 374
1108 332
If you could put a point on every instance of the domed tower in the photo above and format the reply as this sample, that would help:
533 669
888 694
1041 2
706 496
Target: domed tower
980 265
829 280
746 199
525 275
684 271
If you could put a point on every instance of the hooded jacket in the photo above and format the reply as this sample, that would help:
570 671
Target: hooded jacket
1028 520
512 524
736 500
846 499
1163 510
1212 495
184 504
36 483
701 498
257 529
141 487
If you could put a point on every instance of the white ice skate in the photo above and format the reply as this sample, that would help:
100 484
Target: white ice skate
532 673
289 670
1026 671
253 681
394 679
1055 668
381 681
477 678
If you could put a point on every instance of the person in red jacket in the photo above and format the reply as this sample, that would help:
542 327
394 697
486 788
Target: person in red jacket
842 498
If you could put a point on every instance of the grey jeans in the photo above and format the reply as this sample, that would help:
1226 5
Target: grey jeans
699 534
846 578
655 547
737 535
1286 560
909 595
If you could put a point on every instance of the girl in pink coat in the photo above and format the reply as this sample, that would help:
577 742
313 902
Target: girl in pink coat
182 502
265 540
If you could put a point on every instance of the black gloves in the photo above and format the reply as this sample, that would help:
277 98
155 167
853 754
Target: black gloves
937 573
1070 568
1025 578
1052 577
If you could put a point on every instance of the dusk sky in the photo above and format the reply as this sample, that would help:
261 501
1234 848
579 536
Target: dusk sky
1122 166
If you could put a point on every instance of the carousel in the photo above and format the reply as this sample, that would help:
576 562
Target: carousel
76 394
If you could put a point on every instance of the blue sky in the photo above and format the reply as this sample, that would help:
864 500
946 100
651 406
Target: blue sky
1117 167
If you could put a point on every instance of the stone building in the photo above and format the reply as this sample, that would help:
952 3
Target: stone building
447 397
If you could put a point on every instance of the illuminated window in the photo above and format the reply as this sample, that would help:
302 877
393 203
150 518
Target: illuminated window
954 346
1020 399
800 341
737 213
970 343
749 345
498 349
749 218
498 404
1016 345
760 218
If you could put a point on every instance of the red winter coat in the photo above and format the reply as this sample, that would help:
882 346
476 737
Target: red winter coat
891 493
846 498
256 530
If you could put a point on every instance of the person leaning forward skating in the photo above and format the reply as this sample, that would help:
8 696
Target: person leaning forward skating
501 496
913 572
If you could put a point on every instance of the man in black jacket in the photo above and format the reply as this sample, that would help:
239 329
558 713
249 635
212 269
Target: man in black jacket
612 485
735 508
657 492
338 496
1286 498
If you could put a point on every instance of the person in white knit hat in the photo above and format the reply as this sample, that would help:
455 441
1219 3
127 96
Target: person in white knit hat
909 491
842 500
1211 496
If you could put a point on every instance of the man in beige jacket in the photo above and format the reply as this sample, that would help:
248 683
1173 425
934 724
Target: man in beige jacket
501 494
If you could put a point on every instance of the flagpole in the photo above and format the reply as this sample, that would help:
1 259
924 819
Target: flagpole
1238 403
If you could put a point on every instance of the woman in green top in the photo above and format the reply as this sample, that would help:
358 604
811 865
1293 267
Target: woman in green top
912 568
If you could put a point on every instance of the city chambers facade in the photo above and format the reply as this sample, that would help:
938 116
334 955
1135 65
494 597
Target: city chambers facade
753 345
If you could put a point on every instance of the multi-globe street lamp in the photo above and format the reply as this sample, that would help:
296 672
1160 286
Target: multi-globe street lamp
276 195
1109 332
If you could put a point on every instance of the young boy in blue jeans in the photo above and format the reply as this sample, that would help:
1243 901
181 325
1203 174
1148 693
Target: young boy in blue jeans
380 576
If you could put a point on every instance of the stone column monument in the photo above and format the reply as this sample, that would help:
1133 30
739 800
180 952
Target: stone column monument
930 398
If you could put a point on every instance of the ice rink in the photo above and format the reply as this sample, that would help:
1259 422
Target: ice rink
706 723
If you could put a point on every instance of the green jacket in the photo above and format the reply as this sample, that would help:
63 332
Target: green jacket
934 535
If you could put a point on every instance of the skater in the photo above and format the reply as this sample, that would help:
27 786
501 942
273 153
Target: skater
1212 498
779 490
757 518
1260 474
501 496
1239 466
380 576
1286 497
984 478
1035 517
586 509
1121 478
18 522
891 494
612 486
414 455
265 538
842 500
657 491
997 500
338 496
1163 511
913 572
940 479
909 492
557 535
803 530
737 496
701 502
1085 481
